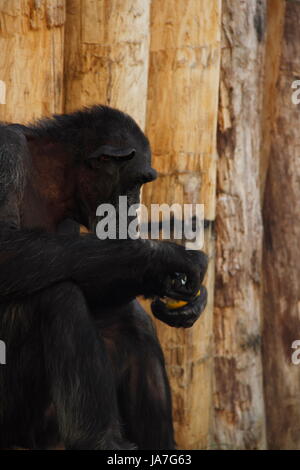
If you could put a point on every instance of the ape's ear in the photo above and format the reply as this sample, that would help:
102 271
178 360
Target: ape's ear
108 152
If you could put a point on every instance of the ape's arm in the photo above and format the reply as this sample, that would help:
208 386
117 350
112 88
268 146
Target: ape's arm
32 260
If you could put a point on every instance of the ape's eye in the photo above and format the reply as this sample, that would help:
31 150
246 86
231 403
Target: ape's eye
107 152
94 163
101 160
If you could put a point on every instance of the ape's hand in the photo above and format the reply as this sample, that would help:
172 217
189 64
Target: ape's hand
178 273
182 316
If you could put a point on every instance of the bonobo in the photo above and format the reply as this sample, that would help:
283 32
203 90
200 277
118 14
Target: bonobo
79 347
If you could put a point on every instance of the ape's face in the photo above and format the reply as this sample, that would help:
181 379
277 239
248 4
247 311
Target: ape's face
114 163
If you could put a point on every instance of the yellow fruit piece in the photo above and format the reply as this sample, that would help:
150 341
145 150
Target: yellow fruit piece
173 304
83 229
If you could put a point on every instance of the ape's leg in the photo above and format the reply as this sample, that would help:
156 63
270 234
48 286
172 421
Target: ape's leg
23 391
143 389
79 372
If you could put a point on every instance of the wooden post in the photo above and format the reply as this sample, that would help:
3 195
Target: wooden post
31 59
181 125
282 251
239 421
107 43
275 23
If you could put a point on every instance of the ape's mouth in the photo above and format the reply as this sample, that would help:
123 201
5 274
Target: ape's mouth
182 317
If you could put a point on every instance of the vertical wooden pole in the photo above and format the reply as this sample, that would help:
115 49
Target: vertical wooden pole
107 45
282 251
31 59
275 24
238 389
181 125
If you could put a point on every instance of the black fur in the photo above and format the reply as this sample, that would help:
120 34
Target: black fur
81 353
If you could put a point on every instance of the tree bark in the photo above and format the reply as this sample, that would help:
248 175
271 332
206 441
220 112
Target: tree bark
239 418
275 23
282 252
106 60
181 125
31 60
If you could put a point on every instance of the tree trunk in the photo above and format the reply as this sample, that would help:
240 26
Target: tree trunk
275 18
239 420
31 60
282 252
181 125
107 44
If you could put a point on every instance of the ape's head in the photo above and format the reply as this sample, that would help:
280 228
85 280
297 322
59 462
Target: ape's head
115 160
87 158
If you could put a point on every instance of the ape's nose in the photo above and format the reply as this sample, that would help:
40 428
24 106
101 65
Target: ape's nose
151 175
